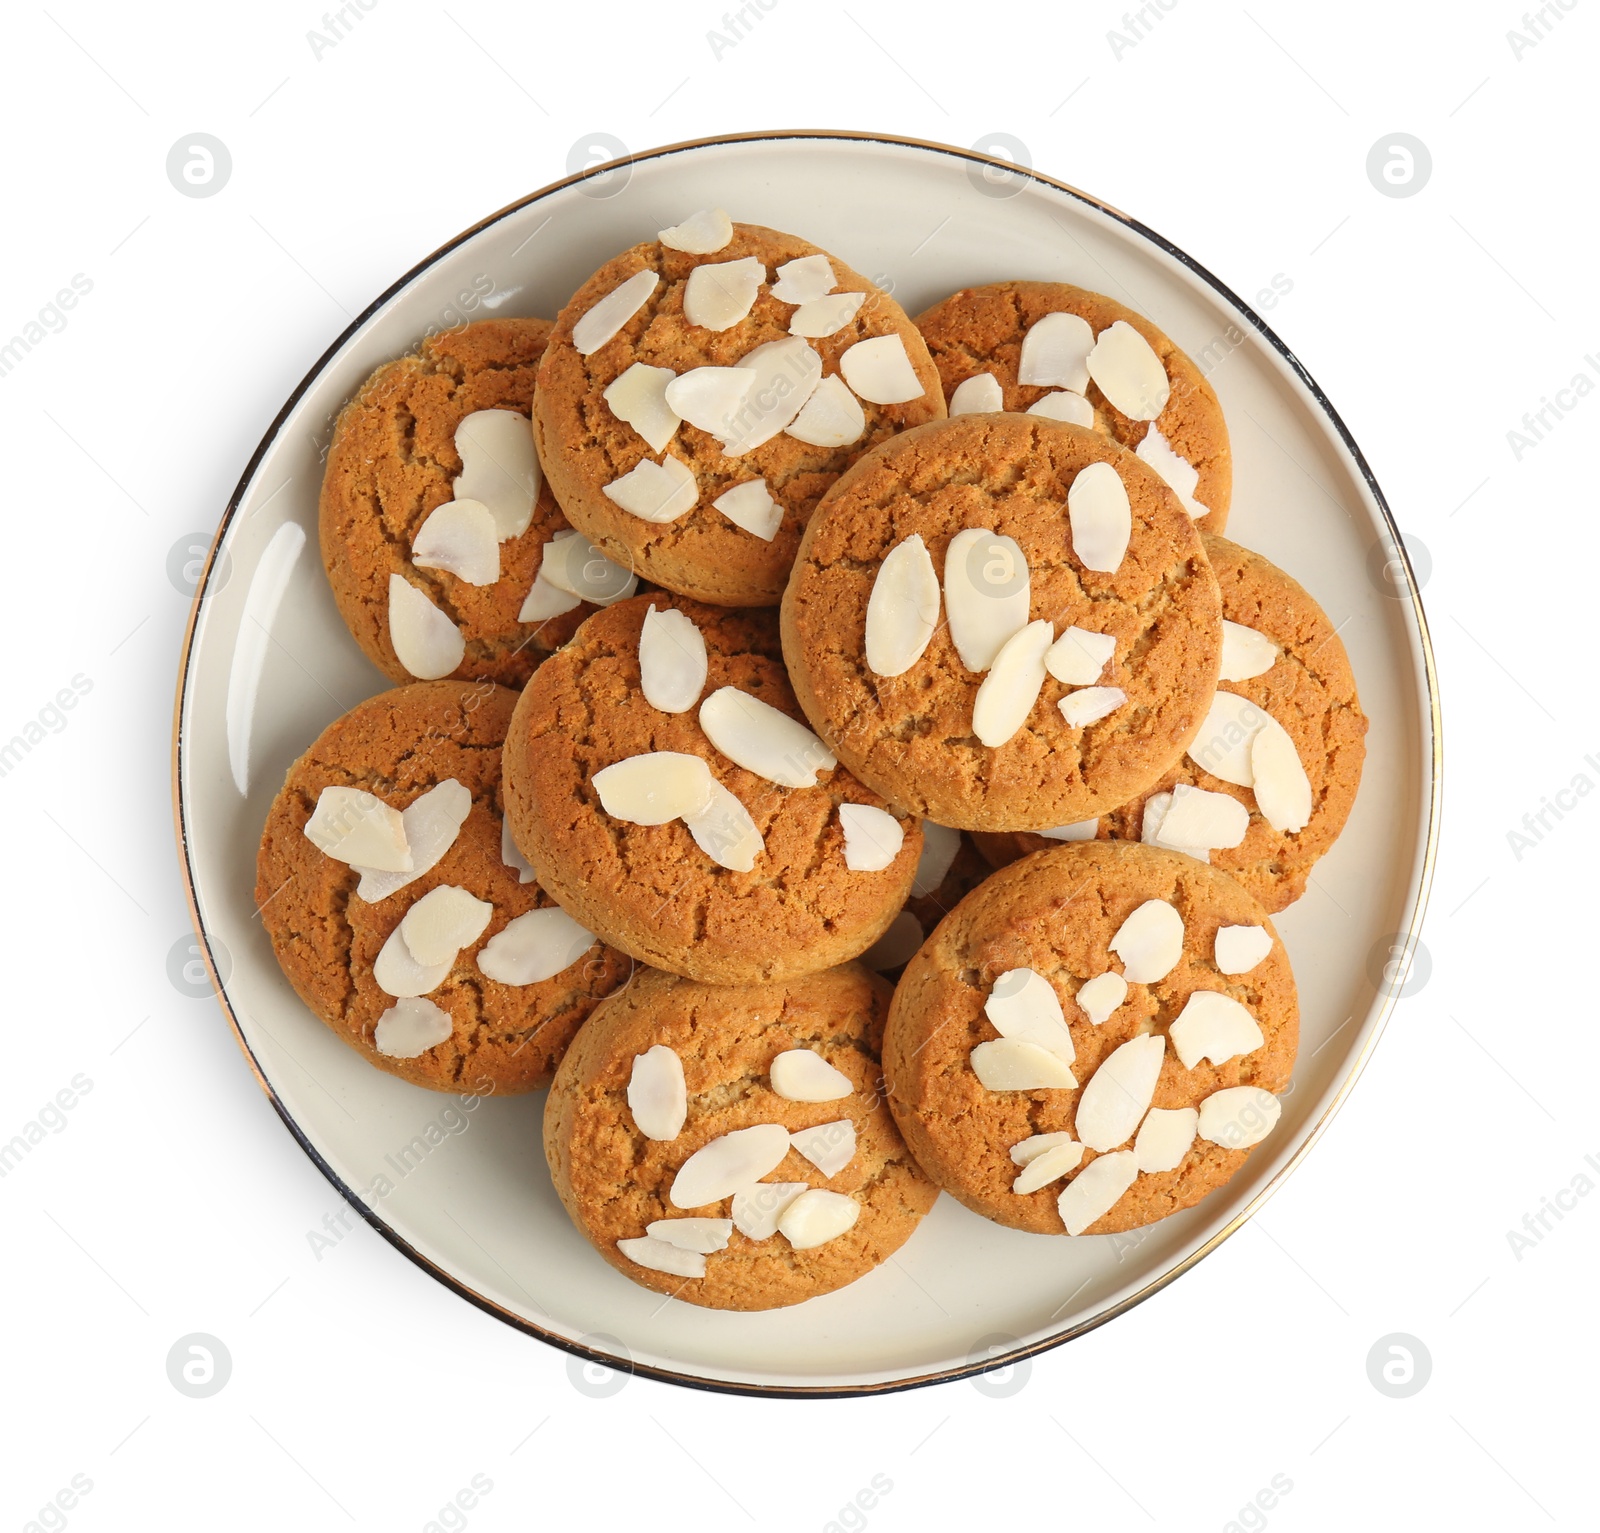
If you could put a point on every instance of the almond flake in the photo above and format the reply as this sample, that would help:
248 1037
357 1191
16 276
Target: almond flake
1153 817
728 1165
425 641
987 589
1049 1166
1025 1151
805 279
638 397
1064 405
830 1147
573 564
702 233
832 417
432 822
1222 747
445 920
397 973
803 1075
903 609
1013 1064
1180 474
1129 372
1198 817
672 660
1007 694
1246 653
1118 1093
545 601
512 856
710 397
354 826
1096 1189
816 1217
880 371
410 1028
459 537
1055 351
533 947
939 847
661 1256
604 318
818 317
654 788
499 468
980 394
1149 943
703 1235
1097 998
898 944
872 837
1088 705
756 1210
1101 519
657 1097
1239 949
751 506
1078 657
1022 1004
719 294
1079 830
1283 791
787 371
1164 1138
724 831
1215 1027
655 492
1238 1117
763 740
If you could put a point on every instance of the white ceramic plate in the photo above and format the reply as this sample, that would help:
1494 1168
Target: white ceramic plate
268 664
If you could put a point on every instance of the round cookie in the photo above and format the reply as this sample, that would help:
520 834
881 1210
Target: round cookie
393 460
615 1182
651 890
1057 913
399 745
586 446
981 330
1309 689
911 736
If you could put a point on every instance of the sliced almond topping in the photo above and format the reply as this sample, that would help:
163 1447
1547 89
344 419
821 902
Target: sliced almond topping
763 740
1022 1004
728 1165
816 1217
662 1256
872 837
639 398
655 492
702 233
805 279
1007 694
832 417
1013 1064
939 847
499 468
397 973
511 855
787 371
1096 1189
411 1027
1028 1150
1283 791
710 397
459 537
1048 1166
987 588
1238 1117
604 318
1198 817
1055 351
1165 1137
545 601
533 947
1100 996
1078 657
724 831
1239 949
672 660
1153 817
1129 372
445 920
719 294
653 788
1088 705
749 505
425 641
1149 943
825 316
879 370
898 944
1064 405
354 826
703 1235
1118 1093
830 1147
571 563
756 1210
657 1097
1079 830
432 822
1180 474
803 1075
1222 747
980 394
1101 519
1215 1027
1246 653
903 610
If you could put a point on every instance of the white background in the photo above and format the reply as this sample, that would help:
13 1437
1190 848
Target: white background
171 1201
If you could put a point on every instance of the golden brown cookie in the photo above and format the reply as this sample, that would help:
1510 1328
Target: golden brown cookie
505 1038
981 330
393 460
912 736
585 445
1057 913
653 890
616 1182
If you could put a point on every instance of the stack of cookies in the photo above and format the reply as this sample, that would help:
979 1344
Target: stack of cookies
837 753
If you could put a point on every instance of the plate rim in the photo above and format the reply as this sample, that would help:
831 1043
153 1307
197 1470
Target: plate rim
1423 871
